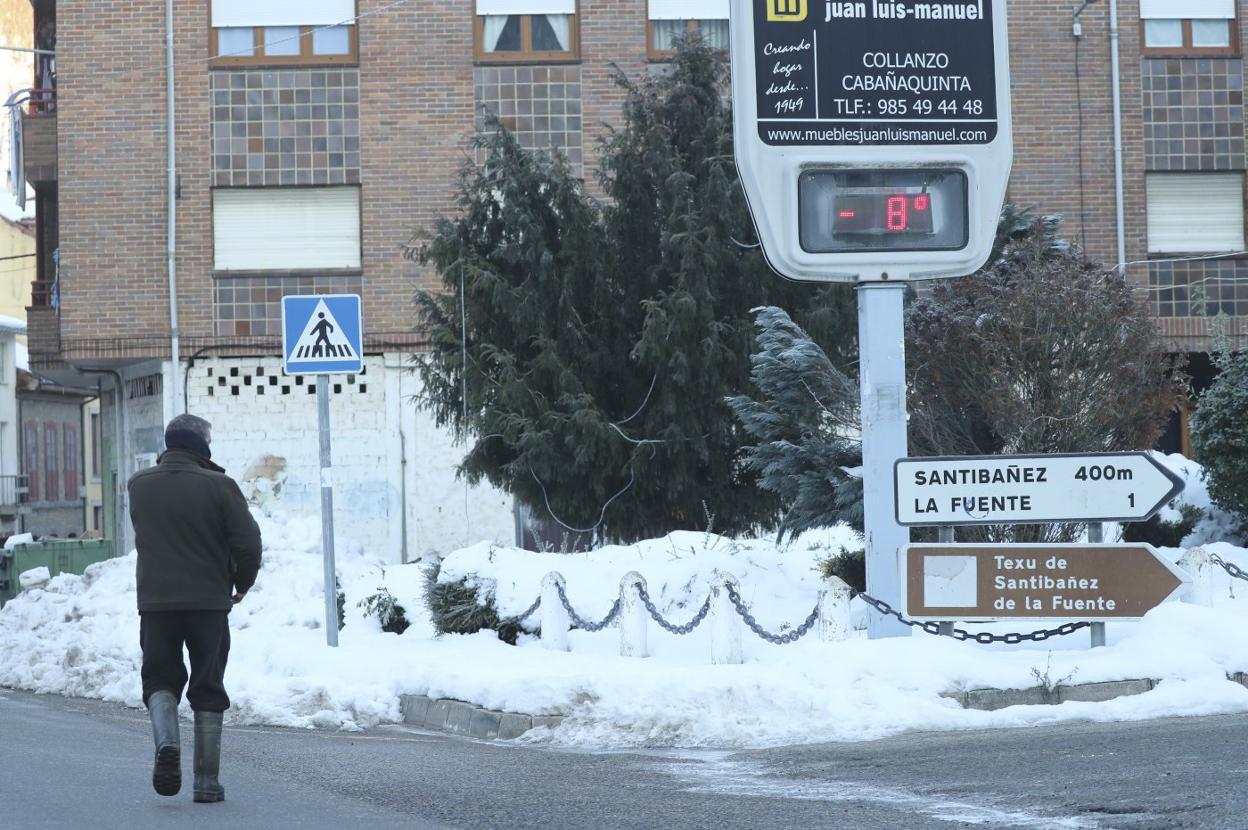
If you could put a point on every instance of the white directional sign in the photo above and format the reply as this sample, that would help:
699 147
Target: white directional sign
322 334
1032 489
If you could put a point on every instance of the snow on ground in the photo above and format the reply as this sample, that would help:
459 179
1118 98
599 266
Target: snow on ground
79 636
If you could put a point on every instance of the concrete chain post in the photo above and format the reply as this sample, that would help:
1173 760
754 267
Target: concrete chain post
834 618
1096 536
554 617
726 647
1198 563
633 617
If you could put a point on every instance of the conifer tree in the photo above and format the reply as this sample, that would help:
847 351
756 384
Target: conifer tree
807 428
603 340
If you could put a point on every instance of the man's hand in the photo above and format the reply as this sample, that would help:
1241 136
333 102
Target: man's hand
237 598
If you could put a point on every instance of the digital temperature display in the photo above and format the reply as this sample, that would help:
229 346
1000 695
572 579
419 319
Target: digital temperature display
883 214
869 210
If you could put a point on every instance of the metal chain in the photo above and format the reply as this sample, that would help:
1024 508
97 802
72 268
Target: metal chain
778 639
1233 570
982 637
519 618
667 626
583 623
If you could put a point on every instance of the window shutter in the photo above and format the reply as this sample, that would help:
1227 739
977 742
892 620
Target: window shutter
1195 213
51 470
71 461
526 7
31 449
288 228
688 9
1191 9
281 12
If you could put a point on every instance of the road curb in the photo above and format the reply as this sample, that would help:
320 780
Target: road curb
459 717
989 700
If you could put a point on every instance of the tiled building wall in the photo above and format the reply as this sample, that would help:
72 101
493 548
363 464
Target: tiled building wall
540 104
252 306
285 127
1193 114
1203 289
1193 119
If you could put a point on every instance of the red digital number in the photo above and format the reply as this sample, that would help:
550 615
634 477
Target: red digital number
922 203
898 215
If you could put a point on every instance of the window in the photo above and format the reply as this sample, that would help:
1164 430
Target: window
51 467
30 446
70 431
673 20
526 31
283 32
1181 27
286 228
1195 213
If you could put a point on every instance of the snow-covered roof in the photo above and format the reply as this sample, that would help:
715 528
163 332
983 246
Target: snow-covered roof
13 324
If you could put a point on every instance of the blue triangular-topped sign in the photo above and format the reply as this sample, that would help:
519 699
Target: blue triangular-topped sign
322 334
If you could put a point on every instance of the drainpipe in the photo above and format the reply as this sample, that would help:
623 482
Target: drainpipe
1116 82
172 234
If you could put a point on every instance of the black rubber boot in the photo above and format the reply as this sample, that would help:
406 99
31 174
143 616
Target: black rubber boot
208 757
167 770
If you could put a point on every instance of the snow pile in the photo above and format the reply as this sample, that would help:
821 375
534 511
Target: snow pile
79 636
1216 524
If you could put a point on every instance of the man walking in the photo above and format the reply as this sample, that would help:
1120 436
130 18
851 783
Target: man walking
199 553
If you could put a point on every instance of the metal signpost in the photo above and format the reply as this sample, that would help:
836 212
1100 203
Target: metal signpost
1032 489
874 145
323 334
986 583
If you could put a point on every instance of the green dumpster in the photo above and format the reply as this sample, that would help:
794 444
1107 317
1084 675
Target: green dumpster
69 556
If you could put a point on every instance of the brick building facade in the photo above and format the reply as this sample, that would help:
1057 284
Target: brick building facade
282 116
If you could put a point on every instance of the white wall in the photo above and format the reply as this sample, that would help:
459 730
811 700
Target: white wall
10 464
376 485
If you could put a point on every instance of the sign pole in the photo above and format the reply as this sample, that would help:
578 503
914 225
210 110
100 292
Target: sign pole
946 536
1096 535
323 334
327 512
882 370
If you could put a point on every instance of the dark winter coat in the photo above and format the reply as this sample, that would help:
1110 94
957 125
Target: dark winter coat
197 541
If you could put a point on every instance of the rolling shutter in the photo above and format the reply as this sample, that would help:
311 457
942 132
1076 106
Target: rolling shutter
286 228
493 7
688 9
281 12
1195 213
1190 9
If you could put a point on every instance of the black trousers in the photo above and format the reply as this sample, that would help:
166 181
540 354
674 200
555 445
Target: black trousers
206 635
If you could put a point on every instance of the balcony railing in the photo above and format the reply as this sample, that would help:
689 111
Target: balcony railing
39 136
42 101
14 492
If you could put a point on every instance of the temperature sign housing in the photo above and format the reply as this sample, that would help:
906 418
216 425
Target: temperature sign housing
873 138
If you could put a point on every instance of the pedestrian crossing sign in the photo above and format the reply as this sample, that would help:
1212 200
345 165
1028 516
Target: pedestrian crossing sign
322 334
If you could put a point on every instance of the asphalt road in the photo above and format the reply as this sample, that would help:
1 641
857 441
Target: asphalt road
67 763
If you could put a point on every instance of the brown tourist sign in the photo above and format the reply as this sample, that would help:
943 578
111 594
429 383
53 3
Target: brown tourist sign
1066 582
